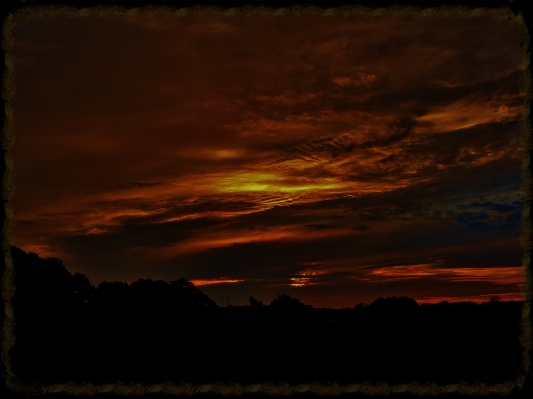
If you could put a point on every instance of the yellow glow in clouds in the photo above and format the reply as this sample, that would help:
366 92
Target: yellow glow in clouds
269 182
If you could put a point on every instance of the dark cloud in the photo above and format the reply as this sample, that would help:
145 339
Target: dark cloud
131 235
335 217
400 130
502 208
514 217
333 146
320 226
130 185
471 217
422 99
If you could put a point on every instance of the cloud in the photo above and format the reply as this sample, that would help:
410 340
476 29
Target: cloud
320 226
470 217
495 275
501 208
133 184
362 79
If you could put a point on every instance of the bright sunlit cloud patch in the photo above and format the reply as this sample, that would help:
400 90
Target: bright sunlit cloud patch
307 277
258 181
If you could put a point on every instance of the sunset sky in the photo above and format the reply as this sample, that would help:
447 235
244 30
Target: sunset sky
336 159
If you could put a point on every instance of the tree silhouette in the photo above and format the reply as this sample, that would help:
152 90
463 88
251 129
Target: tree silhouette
254 303
82 287
286 302
289 309
393 307
111 299
186 294
44 288
150 298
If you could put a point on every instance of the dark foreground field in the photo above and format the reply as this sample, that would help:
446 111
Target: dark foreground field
255 351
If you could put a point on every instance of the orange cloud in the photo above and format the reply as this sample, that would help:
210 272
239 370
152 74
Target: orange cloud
221 280
506 296
308 277
495 275
469 112
216 239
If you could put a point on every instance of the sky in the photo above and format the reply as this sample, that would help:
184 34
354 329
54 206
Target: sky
336 159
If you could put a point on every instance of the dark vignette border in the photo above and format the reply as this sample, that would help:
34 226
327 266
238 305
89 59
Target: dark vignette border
11 10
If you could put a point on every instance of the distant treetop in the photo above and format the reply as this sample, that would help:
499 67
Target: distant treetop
284 301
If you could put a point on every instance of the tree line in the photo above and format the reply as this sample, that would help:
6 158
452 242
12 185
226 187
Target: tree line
44 288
